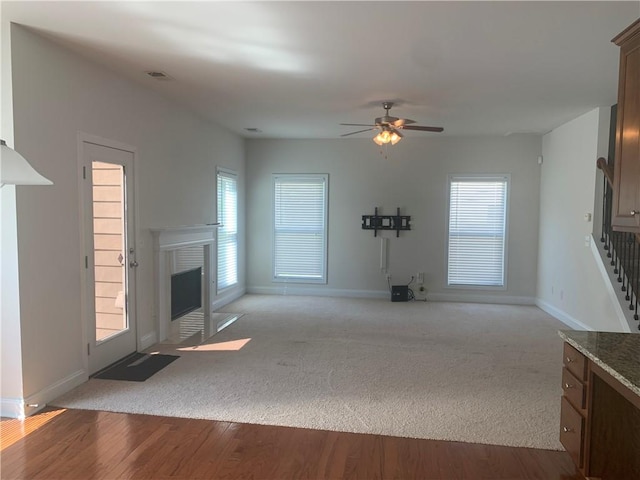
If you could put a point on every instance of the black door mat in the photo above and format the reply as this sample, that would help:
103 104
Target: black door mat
136 368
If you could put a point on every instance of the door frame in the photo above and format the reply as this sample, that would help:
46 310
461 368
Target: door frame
83 137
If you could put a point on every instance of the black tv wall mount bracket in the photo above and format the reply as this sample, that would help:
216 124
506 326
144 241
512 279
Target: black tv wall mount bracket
377 222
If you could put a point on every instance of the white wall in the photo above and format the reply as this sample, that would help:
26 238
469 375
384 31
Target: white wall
57 94
414 178
10 350
570 286
10 353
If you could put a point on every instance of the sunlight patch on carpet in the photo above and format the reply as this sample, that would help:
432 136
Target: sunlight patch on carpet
230 346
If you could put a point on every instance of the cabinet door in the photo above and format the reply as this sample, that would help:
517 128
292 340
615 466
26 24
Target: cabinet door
572 431
626 198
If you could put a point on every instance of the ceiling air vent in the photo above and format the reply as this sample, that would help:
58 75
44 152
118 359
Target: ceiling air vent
253 130
158 75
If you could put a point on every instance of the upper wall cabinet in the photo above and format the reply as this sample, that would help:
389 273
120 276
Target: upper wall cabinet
626 173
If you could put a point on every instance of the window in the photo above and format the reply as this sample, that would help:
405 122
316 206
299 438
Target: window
300 228
227 187
477 230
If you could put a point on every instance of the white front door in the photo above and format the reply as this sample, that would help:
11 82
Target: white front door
110 257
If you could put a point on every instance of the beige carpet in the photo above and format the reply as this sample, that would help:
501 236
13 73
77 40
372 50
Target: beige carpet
451 371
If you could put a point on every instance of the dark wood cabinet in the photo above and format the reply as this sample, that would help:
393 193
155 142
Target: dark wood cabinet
599 420
626 174
573 411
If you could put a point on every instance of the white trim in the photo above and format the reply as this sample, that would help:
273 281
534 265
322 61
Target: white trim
616 296
12 408
226 171
82 138
325 233
148 340
287 289
229 174
167 240
19 407
227 296
53 391
82 210
106 142
431 297
473 298
486 177
568 320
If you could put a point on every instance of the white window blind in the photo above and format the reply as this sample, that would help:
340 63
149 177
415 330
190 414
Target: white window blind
477 231
227 187
300 228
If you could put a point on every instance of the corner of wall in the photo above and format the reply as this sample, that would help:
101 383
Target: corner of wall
569 285
24 407
12 408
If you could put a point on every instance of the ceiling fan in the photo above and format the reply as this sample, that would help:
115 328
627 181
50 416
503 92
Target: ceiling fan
389 128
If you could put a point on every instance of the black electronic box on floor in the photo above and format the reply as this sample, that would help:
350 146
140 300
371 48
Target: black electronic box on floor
400 293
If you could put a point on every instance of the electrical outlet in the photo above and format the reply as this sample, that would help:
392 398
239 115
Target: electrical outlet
388 276
420 278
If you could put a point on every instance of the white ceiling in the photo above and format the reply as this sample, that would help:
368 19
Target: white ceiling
298 69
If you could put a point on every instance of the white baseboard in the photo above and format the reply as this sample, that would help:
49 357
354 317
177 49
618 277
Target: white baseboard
53 391
318 292
476 298
568 320
23 407
434 297
148 340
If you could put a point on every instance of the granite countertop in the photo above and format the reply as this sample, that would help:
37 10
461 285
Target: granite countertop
616 353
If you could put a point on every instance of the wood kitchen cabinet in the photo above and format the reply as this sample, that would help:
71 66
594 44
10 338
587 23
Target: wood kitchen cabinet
573 413
600 404
626 174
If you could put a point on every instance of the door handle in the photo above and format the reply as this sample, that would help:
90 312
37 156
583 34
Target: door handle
133 264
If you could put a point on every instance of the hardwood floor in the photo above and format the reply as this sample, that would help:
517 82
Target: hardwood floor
78 444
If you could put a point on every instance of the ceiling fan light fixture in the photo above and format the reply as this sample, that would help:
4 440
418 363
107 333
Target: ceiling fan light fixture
382 137
386 136
389 128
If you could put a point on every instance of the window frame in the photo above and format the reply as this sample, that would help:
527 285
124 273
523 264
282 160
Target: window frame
324 177
479 178
231 174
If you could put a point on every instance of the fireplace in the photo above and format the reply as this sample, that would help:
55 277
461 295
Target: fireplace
186 292
166 242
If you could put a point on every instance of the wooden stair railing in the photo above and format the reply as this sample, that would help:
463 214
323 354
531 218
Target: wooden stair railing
606 169
623 248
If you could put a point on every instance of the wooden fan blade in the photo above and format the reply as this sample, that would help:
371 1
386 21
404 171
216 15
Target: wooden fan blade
358 124
402 122
359 131
423 129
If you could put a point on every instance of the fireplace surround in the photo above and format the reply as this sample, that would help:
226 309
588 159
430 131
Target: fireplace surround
168 240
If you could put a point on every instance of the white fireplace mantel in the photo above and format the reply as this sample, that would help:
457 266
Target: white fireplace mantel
169 239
